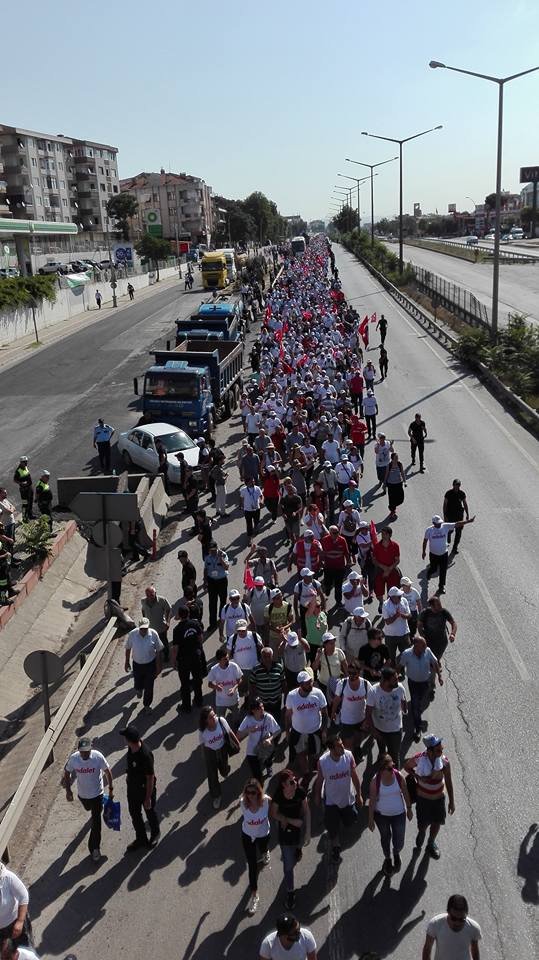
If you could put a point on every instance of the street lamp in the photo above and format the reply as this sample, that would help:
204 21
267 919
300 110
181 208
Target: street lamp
348 192
496 265
400 143
361 180
371 167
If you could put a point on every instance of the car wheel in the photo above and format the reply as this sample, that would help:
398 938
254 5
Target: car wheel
128 463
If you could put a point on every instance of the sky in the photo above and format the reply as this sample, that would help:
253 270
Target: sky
274 96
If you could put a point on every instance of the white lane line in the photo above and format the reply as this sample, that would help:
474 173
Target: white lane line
496 616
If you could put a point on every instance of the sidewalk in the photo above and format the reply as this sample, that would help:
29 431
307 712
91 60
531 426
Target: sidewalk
13 353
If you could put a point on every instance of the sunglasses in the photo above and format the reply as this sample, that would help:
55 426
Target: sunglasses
457 919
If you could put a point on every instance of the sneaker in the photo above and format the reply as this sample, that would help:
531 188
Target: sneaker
265 859
397 863
137 845
387 867
336 855
440 591
420 839
253 904
417 736
216 802
433 849
139 694
154 838
96 855
269 771
290 900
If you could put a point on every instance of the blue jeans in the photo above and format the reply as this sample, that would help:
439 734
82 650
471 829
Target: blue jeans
289 857
391 828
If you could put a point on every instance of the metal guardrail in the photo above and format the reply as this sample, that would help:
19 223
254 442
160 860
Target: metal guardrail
448 294
507 256
50 738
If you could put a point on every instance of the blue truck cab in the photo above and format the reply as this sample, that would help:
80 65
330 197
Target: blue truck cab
180 393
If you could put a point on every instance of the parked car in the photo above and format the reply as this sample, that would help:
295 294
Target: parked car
105 264
472 241
52 266
137 448
9 272
490 236
505 238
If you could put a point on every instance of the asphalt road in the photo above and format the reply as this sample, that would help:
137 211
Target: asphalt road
189 894
52 400
519 282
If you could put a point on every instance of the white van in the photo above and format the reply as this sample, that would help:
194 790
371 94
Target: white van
230 263
516 233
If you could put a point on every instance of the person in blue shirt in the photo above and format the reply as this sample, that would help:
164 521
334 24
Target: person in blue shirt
102 436
353 493
216 566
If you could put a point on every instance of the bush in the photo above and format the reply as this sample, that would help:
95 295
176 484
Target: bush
21 291
514 358
379 257
34 538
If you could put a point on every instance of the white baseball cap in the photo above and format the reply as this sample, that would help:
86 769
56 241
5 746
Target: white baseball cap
348 588
360 612
259 581
233 594
292 639
355 575
304 677
394 592
305 572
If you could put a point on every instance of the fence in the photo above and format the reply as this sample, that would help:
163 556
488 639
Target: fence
474 252
446 294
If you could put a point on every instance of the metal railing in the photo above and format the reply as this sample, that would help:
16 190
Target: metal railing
51 736
454 298
475 251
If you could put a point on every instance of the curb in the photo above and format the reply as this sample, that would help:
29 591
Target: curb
31 579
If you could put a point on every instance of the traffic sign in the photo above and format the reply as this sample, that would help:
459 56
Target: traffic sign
114 535
35 663
105 506
529 174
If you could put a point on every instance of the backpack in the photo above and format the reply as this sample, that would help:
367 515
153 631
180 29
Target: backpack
349 524
256 639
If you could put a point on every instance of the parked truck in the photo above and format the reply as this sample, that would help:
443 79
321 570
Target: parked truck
224 315
194 385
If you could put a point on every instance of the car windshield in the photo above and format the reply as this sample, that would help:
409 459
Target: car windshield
171 387
176 441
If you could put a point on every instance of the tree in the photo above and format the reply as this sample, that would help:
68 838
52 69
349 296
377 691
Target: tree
345 220
122 208
152 250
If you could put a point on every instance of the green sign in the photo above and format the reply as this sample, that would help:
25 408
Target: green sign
155 229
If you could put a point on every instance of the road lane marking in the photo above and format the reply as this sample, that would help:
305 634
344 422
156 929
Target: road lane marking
497 617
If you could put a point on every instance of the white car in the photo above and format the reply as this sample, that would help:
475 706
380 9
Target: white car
137 448
472 241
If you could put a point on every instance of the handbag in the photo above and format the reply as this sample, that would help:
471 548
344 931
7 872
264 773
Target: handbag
411 786
232 748
112 814
262 751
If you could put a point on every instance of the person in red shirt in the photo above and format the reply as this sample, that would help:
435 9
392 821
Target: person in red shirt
336 559
270 489
358 433
357 385
386 556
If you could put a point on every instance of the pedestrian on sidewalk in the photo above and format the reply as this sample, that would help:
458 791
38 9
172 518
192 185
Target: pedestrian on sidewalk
255 831
14 898
432 772
131 291
98 299
44 496
158 611
24 482
145 647
141 789
455 934
102 436
389 806
87 767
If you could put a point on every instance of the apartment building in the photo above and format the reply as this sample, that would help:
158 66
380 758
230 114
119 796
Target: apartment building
56 178
172 205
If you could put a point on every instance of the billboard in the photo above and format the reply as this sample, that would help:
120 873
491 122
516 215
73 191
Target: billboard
123 253
152 219
451 208
417 210
529 174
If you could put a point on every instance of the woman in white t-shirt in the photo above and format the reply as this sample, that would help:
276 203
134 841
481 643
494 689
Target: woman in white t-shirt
255 830
261 729
389 805
213 734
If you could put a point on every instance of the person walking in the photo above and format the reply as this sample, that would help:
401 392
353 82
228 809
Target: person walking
353 633
386 704
188 658
103 433
389 806
131 291
421 667
225 678
215 580
338 780
261 729
231 613
455 934
290 808
306 721
432 772
255 830
329 665
436 536
327 479
382 327
44 496
141 789
396 614
382 454
218 477
348 707
158 611
455 508
384 363
413 598
252 499
370 412
417 433
23 480
144 645
289 940
98 299
394 482
433 624
386 559
14 899
88 766
188 572
214 733
336 559
267 682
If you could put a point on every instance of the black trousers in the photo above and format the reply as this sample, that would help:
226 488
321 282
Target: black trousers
333 578
383 369
103 450
217 597
252 519
438 563
95 806
144 678
371 424
420 447
135 803
357 400
254 851
418 691
26 939
188 669
458 535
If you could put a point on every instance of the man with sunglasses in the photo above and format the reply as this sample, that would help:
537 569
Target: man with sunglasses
338 778
456 935
306 720
290 941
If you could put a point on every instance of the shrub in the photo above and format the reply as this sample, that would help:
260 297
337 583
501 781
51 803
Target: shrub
21 291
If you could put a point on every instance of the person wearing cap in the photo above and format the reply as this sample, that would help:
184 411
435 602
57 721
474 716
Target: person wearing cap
293 650
369 373
261 729
291 508
141 789
144 645
345 471
158 611
305 720
278 617
370 411
359 593
386 558
261 565
244 647
421 668
259 598
348 523
14 899
44 496
336 558
329 665
413 598
215 579
103 433
271 487
231 612
328 482
436 536
364 557
454 509
349 706
386 704
306 553
24 482
338 777
395 614
224 678
87 767
432 772
305 590
353 632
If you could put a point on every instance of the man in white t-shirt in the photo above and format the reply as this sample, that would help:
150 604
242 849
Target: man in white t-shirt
87 767
350 704
455 934
11 951
306 720
382 450
225 678
14 899
437 538
386 703
395 614
338 780
145 646
231 612
413 598
252 498
244 647
290 941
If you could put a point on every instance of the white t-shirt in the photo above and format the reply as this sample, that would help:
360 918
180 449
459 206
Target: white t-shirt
382 452
89 773
331 450
256 823
337 774
12 894
229 677
214 739
251 497
353 701
453 944
305 592
369 406
352 600
306 716
386 714
258 730
399 627
411 597
144 647
245 650
26 954
437 538
271 947
230 613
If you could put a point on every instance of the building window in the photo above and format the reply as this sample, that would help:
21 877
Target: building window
102 172
62 184
115 189
64 202
34 161
60 165
49 148
102 187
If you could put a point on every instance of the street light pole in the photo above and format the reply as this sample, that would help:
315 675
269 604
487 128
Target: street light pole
400 143
501 81
348 192
361 180
372 167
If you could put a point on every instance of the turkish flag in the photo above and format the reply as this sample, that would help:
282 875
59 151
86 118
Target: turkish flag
374 534
363 331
